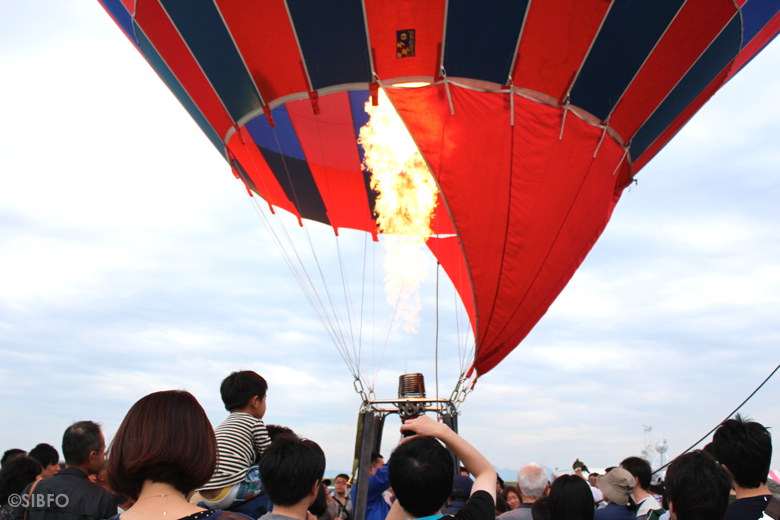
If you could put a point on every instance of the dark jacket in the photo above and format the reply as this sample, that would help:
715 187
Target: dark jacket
68 495
614 512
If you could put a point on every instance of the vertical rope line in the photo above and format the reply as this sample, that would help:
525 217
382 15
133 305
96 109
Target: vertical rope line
347 299
337 330
297 275
437 325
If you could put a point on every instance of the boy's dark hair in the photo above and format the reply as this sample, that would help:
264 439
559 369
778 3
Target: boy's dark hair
46 454
745 448
571 499
698 487
80 439
9 454
239 387
640 469
149 445
540 510
421 474
342 475
17 475
289 468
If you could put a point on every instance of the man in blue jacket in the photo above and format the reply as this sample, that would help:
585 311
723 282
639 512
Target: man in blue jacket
378 482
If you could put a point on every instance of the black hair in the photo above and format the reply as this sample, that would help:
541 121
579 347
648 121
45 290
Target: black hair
46 454
375 455
607 470
289 468
571 499
640 469
320 505
239 387
500 481
80 439
17 475
342 475
9 454
698 487
274 431
540 510
745 448
421 474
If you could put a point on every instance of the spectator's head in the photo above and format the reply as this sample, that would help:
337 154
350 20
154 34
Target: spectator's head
320 505
9 454
16 475
571 499
640 469
532 481
274 431
744 447
511 496
461 488
593 480
697 488
618 487
501 506
244 391
499 485
148 445
47 455
541 509
340 484
84 446
377 461
291 469
421 475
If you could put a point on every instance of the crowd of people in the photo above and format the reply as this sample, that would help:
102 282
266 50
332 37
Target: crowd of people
166 462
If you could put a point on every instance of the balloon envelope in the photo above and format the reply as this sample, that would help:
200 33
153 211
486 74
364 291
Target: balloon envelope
538 114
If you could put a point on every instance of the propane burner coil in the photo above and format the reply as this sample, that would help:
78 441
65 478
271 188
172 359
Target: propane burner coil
411 385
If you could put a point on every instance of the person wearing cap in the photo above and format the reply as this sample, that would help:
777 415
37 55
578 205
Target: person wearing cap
617 486
461 491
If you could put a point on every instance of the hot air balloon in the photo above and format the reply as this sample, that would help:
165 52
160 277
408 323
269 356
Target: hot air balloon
532 116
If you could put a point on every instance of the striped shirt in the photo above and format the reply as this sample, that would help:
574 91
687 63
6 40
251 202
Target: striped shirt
241 439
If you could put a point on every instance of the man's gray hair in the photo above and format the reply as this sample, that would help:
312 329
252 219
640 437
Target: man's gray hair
532 479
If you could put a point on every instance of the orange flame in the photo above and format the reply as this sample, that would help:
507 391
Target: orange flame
405 204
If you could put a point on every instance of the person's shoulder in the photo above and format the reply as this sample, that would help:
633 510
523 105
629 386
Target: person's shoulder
517 514
479 506
747 508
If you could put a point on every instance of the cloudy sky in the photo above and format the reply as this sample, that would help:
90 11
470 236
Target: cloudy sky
132 261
